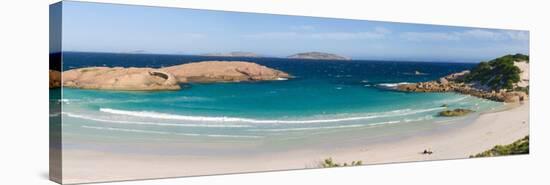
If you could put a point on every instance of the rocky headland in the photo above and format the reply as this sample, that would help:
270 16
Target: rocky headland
318 56
119 78
505 79
168 78
55 79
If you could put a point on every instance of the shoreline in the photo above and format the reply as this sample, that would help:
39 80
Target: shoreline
467 138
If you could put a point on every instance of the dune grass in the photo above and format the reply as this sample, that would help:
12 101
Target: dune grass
329 163
518 147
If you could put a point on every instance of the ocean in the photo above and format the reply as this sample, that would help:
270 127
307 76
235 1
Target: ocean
326 101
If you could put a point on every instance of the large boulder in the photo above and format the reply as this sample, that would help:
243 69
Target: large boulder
443 81
224 71
514 97
457 76
118 78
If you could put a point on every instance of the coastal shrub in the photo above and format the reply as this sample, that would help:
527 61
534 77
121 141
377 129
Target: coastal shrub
522 89
499 73
329 163
518 147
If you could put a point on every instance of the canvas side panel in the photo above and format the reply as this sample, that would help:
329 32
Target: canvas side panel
55 153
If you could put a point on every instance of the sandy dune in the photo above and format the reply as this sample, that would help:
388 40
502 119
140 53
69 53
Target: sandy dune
524 76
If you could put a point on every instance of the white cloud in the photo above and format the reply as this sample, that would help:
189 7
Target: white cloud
481 34
518 35
473 34
382 30
346 35
376 33
431 36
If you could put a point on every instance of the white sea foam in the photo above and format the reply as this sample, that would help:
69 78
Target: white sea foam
305 128
136 100
392 85
418 119
125 130
383 123
220 135
55 114
167 133
322 127
455 100
153 123
410 112
156 115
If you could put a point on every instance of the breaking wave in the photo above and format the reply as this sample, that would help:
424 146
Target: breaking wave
157 115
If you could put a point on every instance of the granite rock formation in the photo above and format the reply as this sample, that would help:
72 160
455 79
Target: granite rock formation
118 78
222 71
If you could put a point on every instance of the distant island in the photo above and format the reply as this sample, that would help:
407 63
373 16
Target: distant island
318 56
233 54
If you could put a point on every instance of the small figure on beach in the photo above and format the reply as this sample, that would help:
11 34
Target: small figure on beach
427 151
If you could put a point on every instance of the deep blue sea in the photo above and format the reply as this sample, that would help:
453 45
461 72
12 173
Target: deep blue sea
325 96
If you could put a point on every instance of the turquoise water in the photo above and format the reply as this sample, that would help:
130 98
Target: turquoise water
323 98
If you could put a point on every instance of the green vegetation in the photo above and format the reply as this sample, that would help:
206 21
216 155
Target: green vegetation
518 147
456 112
522 89
499 73
328 163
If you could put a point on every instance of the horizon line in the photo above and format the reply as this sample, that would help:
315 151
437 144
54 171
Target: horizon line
283 57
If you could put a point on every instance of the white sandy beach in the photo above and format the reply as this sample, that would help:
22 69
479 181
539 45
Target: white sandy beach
483 133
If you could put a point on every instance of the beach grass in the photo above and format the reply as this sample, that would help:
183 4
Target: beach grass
329 163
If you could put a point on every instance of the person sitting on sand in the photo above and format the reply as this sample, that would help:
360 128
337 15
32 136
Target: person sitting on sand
426 151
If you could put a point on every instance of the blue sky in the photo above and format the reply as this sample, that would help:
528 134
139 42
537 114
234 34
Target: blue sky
121 28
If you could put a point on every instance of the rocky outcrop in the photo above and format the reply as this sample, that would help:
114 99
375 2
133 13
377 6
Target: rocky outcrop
118 78
454 83
317 56
222 71
169 78
455 112
55 79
